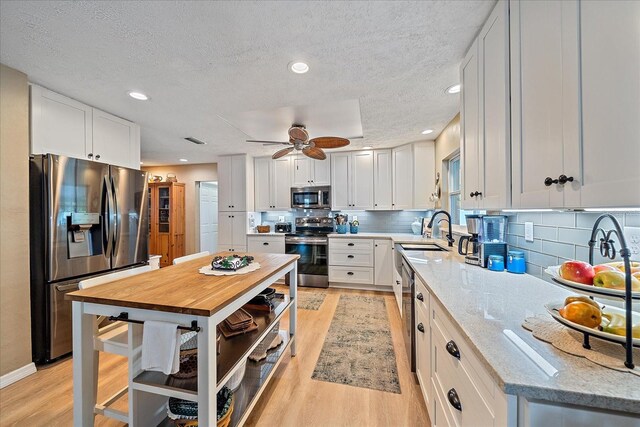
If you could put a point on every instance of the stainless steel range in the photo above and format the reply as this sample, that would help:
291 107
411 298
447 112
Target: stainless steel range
310 241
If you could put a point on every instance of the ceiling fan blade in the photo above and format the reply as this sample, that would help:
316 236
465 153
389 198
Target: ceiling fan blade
298 133
330 142
282 153
314 153
268 142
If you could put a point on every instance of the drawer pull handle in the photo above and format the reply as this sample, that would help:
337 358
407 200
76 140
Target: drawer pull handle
350 273
421 327
419 297
349 256
452 349
266 243
350 244
454 400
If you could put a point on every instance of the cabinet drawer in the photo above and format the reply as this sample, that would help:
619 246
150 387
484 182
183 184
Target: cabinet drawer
346 258
439 414
361 275
266 244
350 245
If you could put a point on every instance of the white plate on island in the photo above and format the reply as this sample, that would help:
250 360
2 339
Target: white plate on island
553 308
554 271
207 270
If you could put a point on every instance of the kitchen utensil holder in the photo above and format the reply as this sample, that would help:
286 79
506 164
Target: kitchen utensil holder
341 228
353 229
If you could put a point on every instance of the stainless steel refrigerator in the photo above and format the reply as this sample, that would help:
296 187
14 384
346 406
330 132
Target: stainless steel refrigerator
87 219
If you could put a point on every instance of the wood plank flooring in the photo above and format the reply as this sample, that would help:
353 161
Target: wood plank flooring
291 399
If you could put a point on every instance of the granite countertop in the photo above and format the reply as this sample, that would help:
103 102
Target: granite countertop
482 304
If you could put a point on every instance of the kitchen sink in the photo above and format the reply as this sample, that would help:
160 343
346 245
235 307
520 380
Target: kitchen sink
424 247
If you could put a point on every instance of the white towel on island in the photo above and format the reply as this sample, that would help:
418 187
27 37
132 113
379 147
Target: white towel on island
161 347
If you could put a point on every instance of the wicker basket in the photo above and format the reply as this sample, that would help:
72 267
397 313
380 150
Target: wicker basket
263 228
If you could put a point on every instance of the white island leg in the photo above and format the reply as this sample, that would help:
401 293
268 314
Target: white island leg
85 360
293 312
207 374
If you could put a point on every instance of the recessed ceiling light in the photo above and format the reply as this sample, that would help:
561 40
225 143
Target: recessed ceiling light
367 147
184 160
138 95
298 67
453 89
427 131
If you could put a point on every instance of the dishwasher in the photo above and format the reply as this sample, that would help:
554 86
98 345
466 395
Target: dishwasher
408 312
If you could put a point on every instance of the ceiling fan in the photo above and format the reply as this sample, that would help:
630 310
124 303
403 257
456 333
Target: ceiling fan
299 140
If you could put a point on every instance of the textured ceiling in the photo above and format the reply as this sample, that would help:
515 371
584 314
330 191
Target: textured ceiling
201 62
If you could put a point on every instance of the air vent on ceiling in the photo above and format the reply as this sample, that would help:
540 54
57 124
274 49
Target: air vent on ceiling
195 141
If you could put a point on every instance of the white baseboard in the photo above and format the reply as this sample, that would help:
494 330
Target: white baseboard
20 373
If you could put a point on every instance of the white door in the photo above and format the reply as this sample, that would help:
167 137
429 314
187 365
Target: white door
610 54
113 140
321 172
340 185
469 129
209 216
262 169
383 180
402 177
301 171
383 263
59 125
225 233
281 183
362 179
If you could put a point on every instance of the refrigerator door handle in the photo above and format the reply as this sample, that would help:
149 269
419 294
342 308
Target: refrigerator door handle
116 221
107 212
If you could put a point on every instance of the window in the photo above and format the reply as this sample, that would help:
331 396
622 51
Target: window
457 216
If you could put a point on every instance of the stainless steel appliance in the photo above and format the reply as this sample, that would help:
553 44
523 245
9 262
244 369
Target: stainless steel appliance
310 241
283 227
487 238
86 218
311 197
408 311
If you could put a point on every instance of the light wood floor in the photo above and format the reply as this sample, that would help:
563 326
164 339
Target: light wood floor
291 399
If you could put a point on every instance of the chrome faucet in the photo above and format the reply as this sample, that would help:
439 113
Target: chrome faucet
449 236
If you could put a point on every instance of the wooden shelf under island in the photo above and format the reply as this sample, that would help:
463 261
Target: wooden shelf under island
181 295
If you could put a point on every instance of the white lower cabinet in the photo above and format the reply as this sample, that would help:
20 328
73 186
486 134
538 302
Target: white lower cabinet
265 244
423 340
383 262
232 231
361 261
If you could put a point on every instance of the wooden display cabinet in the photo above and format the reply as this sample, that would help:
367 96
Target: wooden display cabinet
166 221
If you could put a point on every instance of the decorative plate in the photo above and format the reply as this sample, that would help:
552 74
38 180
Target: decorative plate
554 271
207 270
553 308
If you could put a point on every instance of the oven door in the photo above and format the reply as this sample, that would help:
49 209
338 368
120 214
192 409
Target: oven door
313 265
310 198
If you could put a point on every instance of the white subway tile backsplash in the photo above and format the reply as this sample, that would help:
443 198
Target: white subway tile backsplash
564 250
536 245
561 219
516 229
542 260
544 232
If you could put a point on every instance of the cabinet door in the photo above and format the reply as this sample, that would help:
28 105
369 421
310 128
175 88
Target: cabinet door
469 129
383 263
224 184
301 171
321 172
382 180
610 54
402 177
423 352
164 246
495 153
59 125
541 99
424 174
239 229
362 179
114 140
225 230
281 184
340 185
239 183
262 175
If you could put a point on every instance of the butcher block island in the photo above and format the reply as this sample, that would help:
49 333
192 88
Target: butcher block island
182 295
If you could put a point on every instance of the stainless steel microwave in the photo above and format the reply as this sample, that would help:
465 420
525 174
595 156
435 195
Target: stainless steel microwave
311 197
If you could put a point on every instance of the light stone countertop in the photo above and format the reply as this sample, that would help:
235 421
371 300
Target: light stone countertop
396 237
483 303
271 233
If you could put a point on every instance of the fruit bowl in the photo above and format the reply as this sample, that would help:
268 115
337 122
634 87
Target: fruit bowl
553 309
554 272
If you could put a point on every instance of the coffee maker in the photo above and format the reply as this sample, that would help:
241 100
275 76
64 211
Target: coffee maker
487 237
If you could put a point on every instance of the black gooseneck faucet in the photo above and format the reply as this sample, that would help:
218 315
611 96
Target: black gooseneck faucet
450 235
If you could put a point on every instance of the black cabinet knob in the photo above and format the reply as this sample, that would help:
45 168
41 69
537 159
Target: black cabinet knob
420 327
475 194
471 194
454 399
452 349
97 156
90 155
563 179
350 273
266 243
420 297
478 193
349 256
350 244
548 181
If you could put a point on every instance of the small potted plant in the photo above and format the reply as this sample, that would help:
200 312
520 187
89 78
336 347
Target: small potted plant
354 226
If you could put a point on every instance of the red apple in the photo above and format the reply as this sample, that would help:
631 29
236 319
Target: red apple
577 271
603 267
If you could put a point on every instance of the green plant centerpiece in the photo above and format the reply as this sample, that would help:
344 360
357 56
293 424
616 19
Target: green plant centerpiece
231 262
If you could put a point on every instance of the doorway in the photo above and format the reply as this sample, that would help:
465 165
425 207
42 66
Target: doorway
208 216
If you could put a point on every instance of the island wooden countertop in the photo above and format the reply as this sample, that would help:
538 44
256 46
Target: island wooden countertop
181 288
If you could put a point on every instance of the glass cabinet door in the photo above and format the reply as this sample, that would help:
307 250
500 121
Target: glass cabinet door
163 209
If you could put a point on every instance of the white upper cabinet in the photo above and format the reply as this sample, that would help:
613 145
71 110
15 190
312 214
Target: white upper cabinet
235 183
544 103
61 125
382 180
309 172
424 174
470 129
610 93
402 168
273 183
352 180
